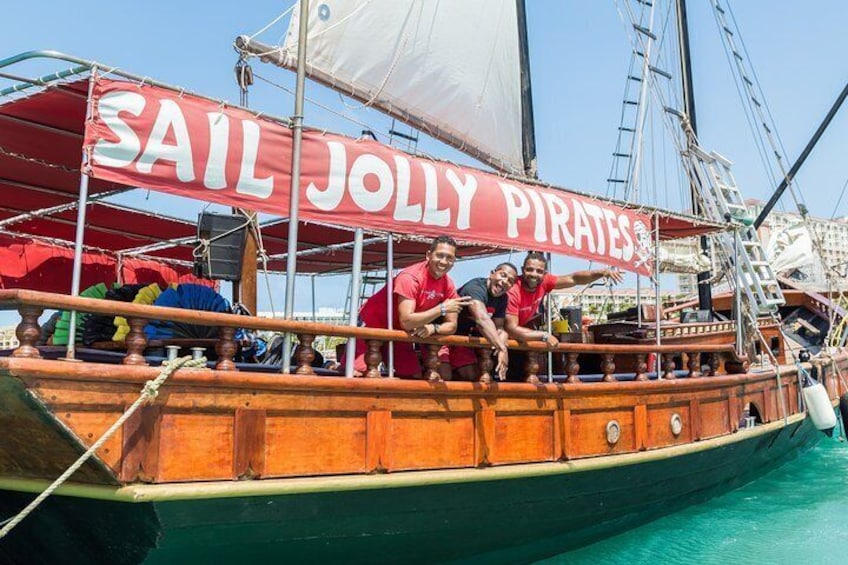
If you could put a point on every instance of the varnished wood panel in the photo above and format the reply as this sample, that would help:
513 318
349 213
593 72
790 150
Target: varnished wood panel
89 426
714 418
195 446
485 437
432 441
249 444
659 425
589 436
314 443
140 456
379 430
524 437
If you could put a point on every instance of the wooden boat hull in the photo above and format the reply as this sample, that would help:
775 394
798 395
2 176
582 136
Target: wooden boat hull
507 514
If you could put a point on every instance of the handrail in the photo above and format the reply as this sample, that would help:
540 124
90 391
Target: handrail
13 298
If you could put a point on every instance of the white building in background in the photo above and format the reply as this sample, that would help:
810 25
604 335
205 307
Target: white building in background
323 315
830 237
8 339
596 302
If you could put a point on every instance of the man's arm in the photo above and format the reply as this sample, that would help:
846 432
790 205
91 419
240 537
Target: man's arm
410 319
586 277
485 324
521 333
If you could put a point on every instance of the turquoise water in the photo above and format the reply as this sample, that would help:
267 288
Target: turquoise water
797 514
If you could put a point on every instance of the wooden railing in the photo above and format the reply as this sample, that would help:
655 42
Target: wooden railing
31 304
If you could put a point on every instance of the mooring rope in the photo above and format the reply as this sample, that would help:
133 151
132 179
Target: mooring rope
148 392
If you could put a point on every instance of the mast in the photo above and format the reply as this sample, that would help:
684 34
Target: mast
528 130
705 300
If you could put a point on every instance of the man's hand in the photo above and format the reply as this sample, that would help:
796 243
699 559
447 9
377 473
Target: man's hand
551 341
613 275
424 331
454 305
503 363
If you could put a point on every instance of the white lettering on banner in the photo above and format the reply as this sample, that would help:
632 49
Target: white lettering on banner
371 201
517 207
432 215
612 230
582 229
123 152
331 197
219 134
559 214
540 233
169 118
598 217
248 183
404 212
465 192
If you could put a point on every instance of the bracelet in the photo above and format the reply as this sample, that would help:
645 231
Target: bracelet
442 309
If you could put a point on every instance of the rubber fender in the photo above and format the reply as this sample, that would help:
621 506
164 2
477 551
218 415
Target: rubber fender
819 408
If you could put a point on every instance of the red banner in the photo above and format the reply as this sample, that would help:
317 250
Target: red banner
155 138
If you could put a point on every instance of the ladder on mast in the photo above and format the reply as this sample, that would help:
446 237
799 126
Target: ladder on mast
723 202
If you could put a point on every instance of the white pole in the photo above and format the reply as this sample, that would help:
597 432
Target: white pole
549 322
355 286
314 316
738 296
390 267
80 230
657 295
294 196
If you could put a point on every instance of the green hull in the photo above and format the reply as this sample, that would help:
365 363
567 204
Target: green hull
507 514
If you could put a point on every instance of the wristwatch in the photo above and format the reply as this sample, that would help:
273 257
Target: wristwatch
436 328
545 336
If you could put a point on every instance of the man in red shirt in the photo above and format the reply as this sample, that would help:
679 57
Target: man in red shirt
425 304
527 294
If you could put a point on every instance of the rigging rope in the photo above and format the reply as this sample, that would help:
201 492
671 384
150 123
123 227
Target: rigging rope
148 392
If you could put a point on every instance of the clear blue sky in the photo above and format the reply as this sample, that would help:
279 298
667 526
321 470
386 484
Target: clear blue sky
579 56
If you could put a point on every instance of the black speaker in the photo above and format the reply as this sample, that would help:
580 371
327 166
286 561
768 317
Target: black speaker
221 245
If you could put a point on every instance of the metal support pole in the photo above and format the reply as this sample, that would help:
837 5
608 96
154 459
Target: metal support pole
738 295
549 322
353 313
390 283
314 317
80 229
657 295
294 195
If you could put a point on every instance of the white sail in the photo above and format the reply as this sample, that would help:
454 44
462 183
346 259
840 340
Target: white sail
451 69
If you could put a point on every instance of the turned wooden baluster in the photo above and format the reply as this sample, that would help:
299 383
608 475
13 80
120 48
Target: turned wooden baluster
28 332
641 367
668 367
431 362
305 355
694 364
226 349
608 367
572 367
713 361
136 342
373 358
531 367
485 364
